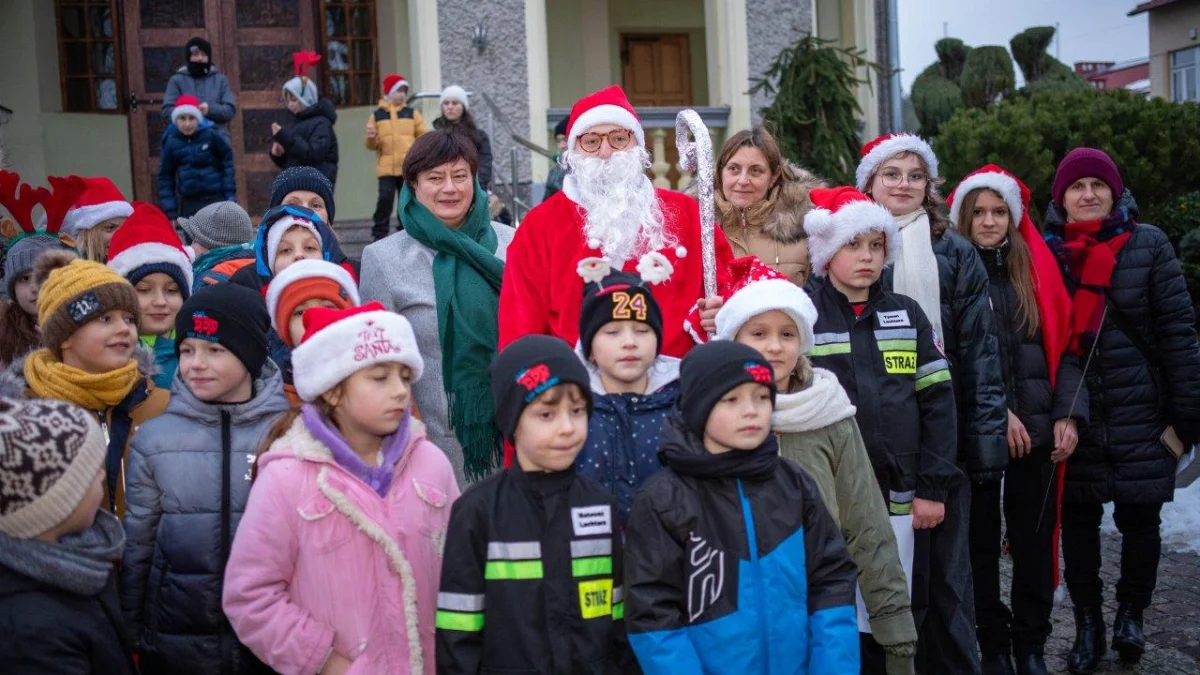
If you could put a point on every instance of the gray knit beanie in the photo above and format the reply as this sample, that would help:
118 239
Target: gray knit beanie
23 254
50 452
219 225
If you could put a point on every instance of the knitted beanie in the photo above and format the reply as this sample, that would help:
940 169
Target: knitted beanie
230 315
620 296
22 256
1086 163
219 225
302 178
340 342
74 292
526 369
710 371
147 244
454 93
303 281
50 453
303 88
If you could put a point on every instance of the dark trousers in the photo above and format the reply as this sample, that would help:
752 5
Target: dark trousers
190 204
1030 498
872 658
388 187
942 600
1141 548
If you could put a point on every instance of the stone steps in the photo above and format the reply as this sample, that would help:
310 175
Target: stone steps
354 236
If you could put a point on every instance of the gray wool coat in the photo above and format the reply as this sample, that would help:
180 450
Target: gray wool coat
398 272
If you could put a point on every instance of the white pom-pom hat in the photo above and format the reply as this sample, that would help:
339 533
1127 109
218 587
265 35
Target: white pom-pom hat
454 93
839 215
340 342
756 289
885 147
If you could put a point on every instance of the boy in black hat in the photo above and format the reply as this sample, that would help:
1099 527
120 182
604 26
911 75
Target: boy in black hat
734 564
537 588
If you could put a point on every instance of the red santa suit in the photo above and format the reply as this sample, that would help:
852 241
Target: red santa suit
543 290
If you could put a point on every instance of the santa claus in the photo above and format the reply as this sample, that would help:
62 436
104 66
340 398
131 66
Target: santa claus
607 212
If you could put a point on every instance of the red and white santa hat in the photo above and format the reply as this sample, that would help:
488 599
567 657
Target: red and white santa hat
756 289
607 106
1014 193
280 227
340 342
306 280
881 149
392 84
838 216
186 105
147 244
100 201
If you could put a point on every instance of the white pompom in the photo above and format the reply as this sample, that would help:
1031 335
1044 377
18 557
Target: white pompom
681 252
654 268
593 270
593 243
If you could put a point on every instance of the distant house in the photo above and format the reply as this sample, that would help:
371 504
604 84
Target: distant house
1174 48
1108 75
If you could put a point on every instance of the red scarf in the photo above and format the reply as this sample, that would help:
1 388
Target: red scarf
1091 261
1053 301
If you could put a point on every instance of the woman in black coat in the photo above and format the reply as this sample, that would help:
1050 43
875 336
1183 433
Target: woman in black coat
1132 314
456 116
1046 402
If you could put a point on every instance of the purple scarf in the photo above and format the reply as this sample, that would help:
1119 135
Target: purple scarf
380 477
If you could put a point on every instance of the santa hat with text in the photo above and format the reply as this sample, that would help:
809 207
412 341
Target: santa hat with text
607 106
147 244
340 342
838 216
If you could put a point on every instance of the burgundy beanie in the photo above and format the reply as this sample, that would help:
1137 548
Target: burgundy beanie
1086 163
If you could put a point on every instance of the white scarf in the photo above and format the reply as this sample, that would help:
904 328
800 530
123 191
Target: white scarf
916 273
822 403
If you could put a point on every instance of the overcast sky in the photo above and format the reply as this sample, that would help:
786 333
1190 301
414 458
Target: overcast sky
1090 30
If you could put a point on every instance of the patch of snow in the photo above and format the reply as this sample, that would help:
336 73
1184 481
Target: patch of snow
1180 520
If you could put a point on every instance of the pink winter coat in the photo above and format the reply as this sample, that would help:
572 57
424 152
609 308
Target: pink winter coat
321 562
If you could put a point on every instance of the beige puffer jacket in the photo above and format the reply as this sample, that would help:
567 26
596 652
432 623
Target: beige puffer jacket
773 229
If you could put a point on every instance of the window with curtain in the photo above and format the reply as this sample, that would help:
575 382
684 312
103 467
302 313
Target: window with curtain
349 51
1185 75
89 55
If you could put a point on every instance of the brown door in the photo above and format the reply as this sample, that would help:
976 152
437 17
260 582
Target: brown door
656 71
253 42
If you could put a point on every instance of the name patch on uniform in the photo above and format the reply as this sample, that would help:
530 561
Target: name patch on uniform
900 363
595 598
589 520
893 319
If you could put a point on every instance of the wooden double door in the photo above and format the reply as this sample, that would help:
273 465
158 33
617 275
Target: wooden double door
656 71
253 42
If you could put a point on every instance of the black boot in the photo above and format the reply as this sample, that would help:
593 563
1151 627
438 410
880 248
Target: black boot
1090 644
1030 662
997 663
1128 639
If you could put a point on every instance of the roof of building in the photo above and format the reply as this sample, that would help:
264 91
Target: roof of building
1150 5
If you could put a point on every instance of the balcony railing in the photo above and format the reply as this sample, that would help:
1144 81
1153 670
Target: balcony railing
659 123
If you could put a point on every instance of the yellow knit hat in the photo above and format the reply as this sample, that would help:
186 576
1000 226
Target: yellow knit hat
74 292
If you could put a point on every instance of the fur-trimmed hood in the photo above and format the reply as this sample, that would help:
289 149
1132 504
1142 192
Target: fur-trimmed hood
781 215
14 385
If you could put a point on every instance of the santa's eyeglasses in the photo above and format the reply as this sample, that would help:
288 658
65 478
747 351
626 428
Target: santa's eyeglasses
618 139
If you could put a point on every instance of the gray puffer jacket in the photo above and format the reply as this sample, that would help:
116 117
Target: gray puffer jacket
187 485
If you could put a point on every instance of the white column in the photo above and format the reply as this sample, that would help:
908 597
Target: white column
728 59
425 45
597 59
864 38
537 56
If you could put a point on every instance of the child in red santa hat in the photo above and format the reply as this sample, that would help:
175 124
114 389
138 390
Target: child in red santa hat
195 166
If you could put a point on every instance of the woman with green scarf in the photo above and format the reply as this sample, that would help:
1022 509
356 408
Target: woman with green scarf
442 272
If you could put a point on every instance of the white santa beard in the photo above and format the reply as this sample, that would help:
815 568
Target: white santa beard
621 209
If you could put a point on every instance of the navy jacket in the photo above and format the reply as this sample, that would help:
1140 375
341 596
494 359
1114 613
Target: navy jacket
888 363
194 165
736 570
311 141
1120 456
623 433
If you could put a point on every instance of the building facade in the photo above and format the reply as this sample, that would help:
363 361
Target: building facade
1174 48
1132 76
85 78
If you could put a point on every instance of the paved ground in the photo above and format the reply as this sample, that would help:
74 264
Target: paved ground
1172 623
